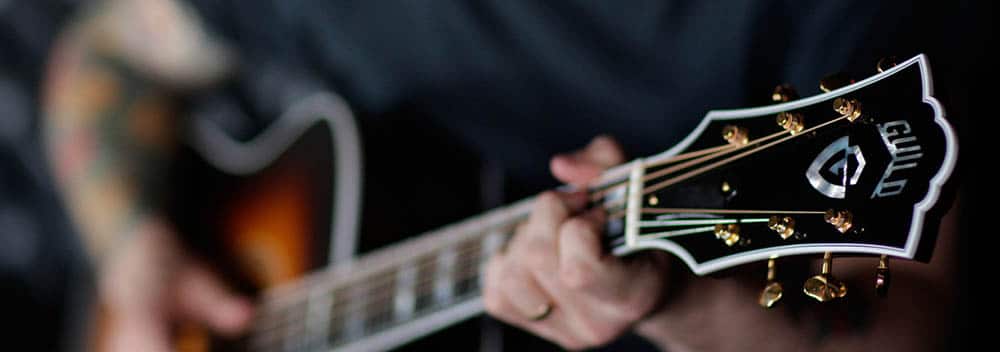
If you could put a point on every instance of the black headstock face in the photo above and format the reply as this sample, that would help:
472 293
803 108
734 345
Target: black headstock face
717 202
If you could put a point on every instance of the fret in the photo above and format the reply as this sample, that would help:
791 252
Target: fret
426 274
615 225
491 243
405 300
379 308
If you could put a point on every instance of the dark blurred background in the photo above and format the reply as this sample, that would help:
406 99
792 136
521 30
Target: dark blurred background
43 270
41 264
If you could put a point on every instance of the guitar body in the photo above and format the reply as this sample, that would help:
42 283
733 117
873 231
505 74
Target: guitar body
260 229
269 219
267 227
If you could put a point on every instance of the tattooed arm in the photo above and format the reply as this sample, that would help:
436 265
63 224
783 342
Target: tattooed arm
110 128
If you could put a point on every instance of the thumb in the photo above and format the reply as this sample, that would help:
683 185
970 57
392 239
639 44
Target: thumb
200 296
580 167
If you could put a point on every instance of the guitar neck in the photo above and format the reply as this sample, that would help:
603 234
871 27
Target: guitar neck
391 295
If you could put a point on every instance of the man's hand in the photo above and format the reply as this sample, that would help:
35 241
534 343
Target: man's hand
110 126
150 284
555 280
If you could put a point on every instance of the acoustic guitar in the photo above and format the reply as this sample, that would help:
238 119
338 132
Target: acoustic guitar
856 171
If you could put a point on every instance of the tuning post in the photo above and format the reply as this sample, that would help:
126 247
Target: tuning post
847 107
842 220
784 93
886 63
728 233
834 81
727 190
783 225
882 276
772 290
824 287
792 122
737 136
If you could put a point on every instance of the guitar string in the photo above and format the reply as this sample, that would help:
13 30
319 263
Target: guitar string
694 162
712 166
424 262
725 211
352 304
720 163
599 194
612 215
722 150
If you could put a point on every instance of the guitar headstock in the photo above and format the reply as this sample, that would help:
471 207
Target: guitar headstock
853 171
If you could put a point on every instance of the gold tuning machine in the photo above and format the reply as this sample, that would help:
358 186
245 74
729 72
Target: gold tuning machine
842 220
824 287
882 276
886 63
728 233
847 107
784 93
834 81
772 290
738 136
783 225
792 122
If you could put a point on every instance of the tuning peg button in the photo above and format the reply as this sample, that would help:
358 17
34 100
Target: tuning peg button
772 290
824 287
882 276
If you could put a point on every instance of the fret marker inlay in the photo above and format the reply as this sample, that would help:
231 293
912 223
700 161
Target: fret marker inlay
444 281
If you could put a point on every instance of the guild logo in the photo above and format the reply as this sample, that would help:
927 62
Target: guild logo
829 173
905 153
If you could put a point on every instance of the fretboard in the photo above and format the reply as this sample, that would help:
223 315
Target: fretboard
361 305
